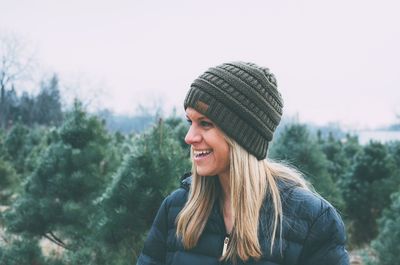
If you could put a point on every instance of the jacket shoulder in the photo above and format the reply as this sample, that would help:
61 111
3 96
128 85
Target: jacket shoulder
176 198
155 246
304 209
175 201
316 225
304 204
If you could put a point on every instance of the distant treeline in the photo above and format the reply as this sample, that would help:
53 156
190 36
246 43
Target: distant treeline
46 109
43 109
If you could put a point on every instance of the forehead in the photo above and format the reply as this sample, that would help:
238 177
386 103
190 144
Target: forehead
194 114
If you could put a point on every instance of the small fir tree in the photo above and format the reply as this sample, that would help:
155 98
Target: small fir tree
22 251
8 181
366 190
298 147
146 176
387 244
58 198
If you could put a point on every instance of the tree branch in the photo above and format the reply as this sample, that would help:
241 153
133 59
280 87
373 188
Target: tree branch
4 239
56 242
56 238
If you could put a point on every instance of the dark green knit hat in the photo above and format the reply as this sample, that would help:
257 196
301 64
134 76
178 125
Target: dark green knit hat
242 99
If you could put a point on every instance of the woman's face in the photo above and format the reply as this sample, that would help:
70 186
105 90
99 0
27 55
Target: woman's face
209 147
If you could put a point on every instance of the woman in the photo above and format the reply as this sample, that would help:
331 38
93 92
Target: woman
237 207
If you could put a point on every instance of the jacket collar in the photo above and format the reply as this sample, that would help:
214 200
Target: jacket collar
186 181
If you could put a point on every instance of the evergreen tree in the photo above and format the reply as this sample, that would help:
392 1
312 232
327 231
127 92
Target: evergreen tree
8 175
16 147
10 107
387 244
338 164
394 151
26 106
2 138
179 128
8 181
37 141
58 198
296 146
19 144
147 175
367 188
22 251
351 148
14 142
47 107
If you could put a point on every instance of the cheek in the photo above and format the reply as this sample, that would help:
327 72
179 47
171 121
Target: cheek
225 156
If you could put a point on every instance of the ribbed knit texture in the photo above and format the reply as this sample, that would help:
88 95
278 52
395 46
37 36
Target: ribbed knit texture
242 99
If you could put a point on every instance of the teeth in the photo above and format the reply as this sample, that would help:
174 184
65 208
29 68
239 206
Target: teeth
202 152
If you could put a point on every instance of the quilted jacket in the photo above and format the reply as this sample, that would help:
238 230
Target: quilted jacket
312 233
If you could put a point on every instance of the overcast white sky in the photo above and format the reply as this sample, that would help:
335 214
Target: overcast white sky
335 61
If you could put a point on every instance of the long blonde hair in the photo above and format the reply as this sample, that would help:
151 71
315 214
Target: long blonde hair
250 181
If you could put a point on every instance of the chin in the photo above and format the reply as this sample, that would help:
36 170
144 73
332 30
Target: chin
204 173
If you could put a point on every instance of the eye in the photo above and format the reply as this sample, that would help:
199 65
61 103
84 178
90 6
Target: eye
189 121
206 124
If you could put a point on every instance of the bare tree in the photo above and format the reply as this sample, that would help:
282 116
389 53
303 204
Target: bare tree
89 90
16 64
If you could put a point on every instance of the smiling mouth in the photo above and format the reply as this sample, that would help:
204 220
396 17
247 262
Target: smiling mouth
202 153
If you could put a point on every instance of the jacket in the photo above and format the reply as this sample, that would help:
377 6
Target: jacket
312 233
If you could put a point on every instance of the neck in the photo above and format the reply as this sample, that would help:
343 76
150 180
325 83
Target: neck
225 186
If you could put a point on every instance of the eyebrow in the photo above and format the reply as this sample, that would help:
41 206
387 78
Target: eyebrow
200 118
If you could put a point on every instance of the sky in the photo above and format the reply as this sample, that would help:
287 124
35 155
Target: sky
335 61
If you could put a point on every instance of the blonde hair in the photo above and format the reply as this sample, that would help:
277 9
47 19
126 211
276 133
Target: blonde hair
250 181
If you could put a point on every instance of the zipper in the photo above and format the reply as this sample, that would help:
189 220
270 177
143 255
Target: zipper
226 242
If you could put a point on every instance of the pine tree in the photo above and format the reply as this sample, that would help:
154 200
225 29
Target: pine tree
26 106
394 152
296 146
8 181
9 108
36 142
366 190
334 151
22 251
47 106
59 194
19 144
387 244
146 176
179 128
15 145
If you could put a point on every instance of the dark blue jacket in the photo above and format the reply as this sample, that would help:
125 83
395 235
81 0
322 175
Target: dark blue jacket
312 234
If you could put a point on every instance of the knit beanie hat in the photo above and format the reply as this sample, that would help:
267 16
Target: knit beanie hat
242 99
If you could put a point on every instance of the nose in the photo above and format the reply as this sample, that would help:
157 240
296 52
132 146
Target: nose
192 136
